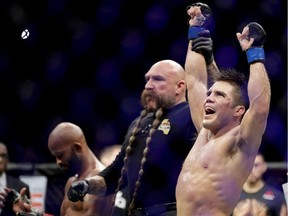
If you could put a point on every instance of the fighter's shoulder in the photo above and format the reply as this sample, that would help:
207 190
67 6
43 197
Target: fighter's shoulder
94 172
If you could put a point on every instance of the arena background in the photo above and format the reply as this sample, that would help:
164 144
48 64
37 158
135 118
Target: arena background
85 61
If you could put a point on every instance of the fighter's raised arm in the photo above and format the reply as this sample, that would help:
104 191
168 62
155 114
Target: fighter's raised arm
200 50
254 121
230 114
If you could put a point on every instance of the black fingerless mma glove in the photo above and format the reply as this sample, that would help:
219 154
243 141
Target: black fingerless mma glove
78 190
206 12
204 45
256 52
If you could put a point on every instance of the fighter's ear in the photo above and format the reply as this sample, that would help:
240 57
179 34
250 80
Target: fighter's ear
77 147
239 110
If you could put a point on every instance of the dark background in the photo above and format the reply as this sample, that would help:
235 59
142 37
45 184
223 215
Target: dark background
85 61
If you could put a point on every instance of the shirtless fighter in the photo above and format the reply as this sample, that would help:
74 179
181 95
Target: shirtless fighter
68 145
230 132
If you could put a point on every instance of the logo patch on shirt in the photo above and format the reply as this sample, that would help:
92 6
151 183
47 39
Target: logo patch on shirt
165 126
269 195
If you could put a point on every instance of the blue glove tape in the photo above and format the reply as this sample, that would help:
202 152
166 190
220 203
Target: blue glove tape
193 32
255 54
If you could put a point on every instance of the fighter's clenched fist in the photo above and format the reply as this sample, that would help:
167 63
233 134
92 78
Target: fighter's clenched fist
199 18
252 40
78 190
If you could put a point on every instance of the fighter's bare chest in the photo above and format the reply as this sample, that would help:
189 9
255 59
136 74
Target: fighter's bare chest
203 155
72 206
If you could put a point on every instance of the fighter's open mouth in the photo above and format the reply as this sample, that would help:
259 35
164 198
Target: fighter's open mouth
209 111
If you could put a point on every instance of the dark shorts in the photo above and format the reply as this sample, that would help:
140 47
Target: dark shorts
167 209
